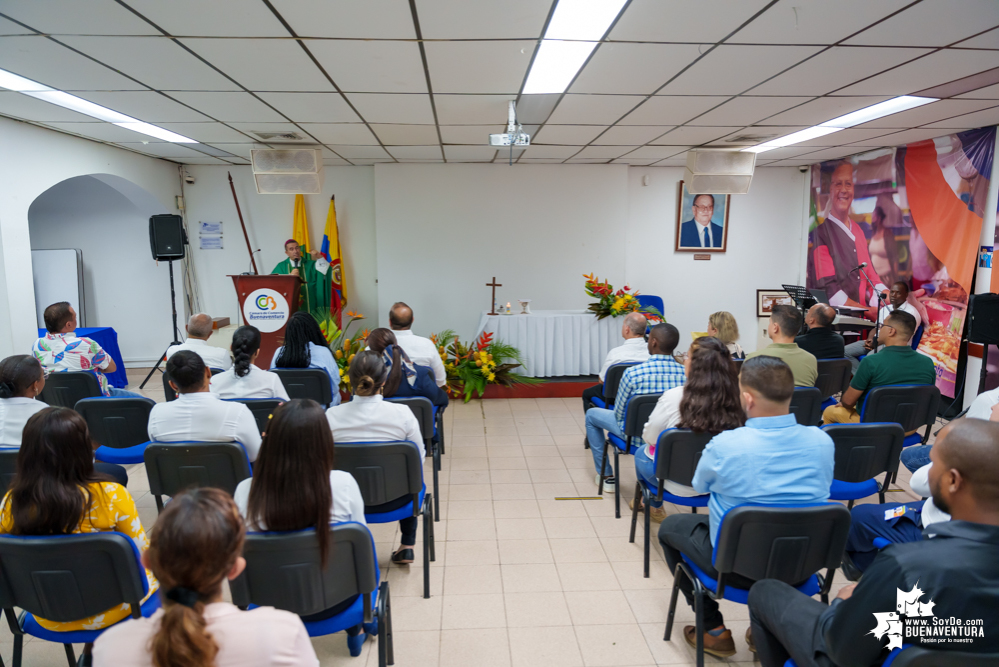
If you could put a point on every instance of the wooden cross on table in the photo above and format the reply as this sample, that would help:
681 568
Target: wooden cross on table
494 285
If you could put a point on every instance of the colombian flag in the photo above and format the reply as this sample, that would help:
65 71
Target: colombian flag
300 225
331 249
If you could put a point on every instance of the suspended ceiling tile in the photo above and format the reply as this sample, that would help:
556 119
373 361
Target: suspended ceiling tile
393 108
633 69
568 134
46 62
662 21
787 152
406 135
605 152
932 24
830 153
755 134
312 107
367 162
372 66
475 153
987 93
672 110
656 152
902 138
988 40
674 162
471 109
593 109
693 135
240 149
205 160
94 17
634 161
815 22
158 62
262 64
928 71
839 66
587 160
478 67
469 134
416 153
531 160
371 19
206 132
730 70
631 135
482 19
848 136
969 121
351 134
218 18
18 105
230 107
333 162
148 106
362 152
11 28
550 152
930 113
103 132
162 149
822 109
747 110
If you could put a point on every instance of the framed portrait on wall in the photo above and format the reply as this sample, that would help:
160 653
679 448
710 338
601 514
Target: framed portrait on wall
701 222
766 299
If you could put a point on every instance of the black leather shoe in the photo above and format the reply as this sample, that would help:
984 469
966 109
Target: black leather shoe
850 571
403 556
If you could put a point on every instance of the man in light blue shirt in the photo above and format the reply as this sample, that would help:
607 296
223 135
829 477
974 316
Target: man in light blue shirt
772 460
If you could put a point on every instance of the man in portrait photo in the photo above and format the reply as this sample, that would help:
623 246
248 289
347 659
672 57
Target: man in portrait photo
701 232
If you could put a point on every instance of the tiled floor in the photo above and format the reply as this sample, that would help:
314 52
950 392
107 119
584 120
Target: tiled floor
521 579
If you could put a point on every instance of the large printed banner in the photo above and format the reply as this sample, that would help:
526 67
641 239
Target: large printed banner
912 214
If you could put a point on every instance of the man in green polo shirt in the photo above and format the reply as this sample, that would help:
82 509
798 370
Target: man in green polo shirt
785 324
897 363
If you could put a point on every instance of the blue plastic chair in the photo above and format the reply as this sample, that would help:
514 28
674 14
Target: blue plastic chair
864 451
918 336
172 467
911 405
834 377
636 414
649 300
612 378
916 656
425 415
119 426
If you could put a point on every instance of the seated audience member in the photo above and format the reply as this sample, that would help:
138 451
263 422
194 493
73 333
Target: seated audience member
896 363
421 350
722 325
57 491
367 418
633 350
659 373
196 544
987 408
707 402
772 460
820 340
306 347
954 572
60 350
785 322
199 330
245 379
982 406
405 379
21 380
897 302
199 415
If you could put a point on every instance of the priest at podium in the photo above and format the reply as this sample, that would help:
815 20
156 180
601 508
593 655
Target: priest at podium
314 296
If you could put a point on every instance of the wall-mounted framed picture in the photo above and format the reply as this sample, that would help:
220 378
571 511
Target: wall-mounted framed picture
766 299
701 222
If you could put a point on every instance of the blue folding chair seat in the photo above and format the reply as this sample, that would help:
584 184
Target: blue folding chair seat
741 595
623 447
31 626
890 659
853 490
133 454
599 403
685 501
880 543
396 514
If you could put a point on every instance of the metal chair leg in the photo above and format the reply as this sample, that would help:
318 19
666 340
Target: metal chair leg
426 551
699 621
617 486
634 511
849 505
603 466
436 467
18 649
159 504
648 509
433 541
382 615
672 602
70 655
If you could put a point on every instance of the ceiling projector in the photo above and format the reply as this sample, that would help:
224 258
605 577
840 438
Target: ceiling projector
514 135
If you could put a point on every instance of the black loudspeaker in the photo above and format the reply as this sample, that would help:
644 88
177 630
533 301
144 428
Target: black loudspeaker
166 236
983 319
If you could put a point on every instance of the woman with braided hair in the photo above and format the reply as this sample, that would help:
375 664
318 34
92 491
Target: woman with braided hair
21 381
245 379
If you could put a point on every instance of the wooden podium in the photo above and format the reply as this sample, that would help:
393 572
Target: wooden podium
267 302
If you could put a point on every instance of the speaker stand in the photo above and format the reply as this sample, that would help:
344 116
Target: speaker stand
176 332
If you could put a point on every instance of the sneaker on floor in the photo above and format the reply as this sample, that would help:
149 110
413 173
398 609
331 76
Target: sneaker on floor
722 646
609 483
749 639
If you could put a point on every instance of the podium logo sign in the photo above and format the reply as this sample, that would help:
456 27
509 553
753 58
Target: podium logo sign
266 309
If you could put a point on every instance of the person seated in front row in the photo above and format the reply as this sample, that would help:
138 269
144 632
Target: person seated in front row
897 303
707 402
405 379
820 340
199 330
895 363
306 347
57 491
772 460
367 418
197 543
60 350
722 325
245 379
918 456
421 350
659 373
954 572
199 415
298 446
981 407
785 322
633 350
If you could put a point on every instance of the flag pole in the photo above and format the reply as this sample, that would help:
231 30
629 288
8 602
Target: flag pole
243 225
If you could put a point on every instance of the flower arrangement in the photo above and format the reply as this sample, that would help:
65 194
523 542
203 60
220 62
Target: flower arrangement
470 367
343 347
614 304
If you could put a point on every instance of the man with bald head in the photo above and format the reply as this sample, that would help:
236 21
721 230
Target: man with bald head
820 339
951 574
421 350
634 350
199 330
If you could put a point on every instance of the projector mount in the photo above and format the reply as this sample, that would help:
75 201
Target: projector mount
514 135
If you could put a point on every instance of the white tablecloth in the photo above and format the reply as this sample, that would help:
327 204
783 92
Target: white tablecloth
556 342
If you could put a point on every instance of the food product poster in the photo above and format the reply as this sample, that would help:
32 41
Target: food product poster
911 213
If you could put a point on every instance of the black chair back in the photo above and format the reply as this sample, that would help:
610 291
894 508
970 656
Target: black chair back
637 413
65 390
66 578
174 466
915 656
8 467
284 571
423 410
806 405
262 409
865 450
911 406
834 376
384 471
311 383
168 391
117 422
677 454
612 378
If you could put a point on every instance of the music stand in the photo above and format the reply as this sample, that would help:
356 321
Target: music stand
803 299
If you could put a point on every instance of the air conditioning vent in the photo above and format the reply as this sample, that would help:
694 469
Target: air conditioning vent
750 139
288 171
277 136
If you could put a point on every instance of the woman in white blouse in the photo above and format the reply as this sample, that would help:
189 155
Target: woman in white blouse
306 347
21 380
367 418
245 379
708 401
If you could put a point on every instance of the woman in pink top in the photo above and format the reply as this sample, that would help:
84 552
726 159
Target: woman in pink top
195 544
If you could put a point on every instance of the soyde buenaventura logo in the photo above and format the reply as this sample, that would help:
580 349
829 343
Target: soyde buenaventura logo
913 622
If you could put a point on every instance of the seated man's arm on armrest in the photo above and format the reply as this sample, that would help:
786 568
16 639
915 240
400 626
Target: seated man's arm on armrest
850 397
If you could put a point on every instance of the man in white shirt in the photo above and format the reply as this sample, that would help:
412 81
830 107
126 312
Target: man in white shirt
634 350
981 407
421 350
199 415
896 301
199 330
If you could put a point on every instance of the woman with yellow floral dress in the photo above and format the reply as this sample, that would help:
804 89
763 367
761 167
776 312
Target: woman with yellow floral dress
57 492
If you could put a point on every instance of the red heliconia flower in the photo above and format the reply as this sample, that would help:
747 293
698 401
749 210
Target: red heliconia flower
626 288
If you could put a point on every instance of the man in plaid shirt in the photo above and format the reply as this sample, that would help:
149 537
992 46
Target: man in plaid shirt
659 373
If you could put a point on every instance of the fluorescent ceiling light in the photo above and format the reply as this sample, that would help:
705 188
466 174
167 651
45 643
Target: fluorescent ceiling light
790 139
574 31
873 112
19 84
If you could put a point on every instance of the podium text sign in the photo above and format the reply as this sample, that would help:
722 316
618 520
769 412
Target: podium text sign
266 302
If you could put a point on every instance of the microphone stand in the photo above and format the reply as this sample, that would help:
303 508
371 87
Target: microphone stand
881 304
